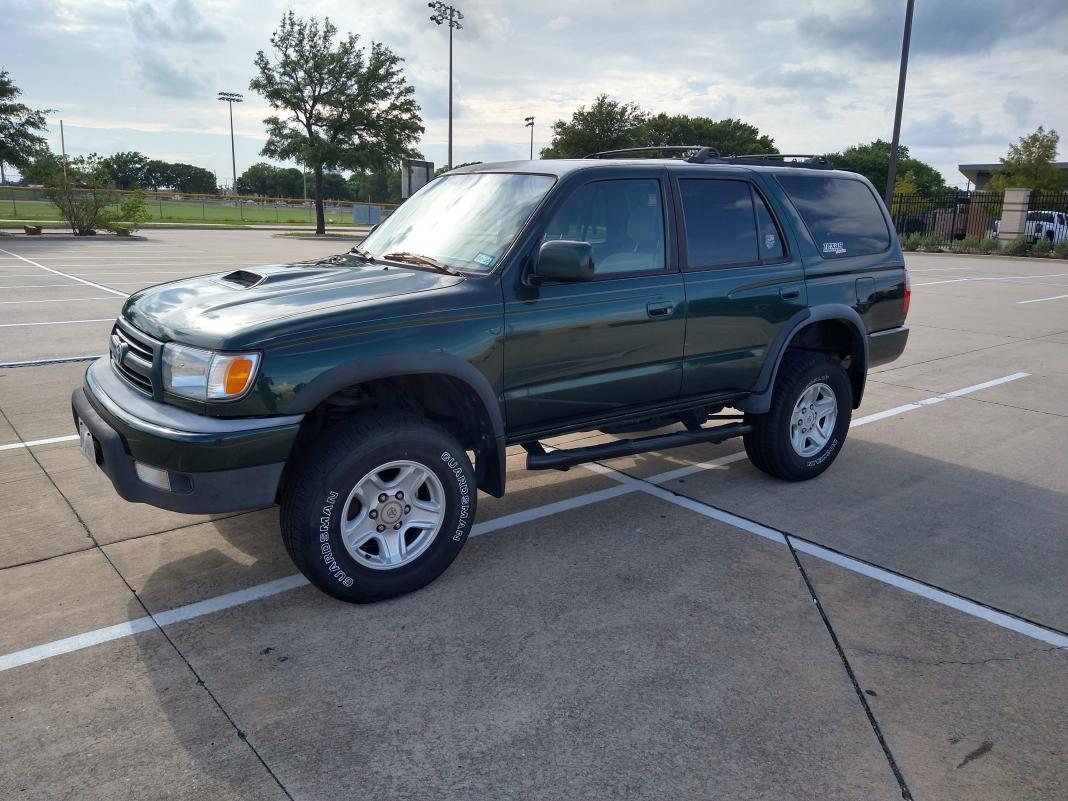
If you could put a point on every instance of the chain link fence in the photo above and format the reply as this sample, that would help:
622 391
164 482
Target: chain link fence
27 205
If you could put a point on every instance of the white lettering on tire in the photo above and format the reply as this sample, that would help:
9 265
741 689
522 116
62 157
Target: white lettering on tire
324 541
464 522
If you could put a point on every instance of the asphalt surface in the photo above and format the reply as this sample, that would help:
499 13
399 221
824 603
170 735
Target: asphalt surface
672 625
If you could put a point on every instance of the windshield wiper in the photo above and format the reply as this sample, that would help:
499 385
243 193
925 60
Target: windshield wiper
418 258
361 253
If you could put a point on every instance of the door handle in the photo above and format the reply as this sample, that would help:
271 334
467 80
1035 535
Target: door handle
659 309
789 294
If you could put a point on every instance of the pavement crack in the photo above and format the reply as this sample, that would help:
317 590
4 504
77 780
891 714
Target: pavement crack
955 662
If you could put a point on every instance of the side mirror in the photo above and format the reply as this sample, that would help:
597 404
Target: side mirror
564 260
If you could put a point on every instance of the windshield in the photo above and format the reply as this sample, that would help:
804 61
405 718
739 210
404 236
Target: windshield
464 221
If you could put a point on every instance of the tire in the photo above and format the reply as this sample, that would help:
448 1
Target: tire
342 479
771 444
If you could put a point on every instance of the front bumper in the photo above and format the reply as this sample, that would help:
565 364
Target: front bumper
201 465
885 346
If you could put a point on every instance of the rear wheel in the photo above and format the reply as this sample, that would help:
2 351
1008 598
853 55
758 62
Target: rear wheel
378 506
806 426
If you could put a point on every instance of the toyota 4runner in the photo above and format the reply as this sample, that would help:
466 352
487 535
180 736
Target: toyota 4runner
371 394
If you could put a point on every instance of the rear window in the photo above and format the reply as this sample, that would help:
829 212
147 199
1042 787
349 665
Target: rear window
843 215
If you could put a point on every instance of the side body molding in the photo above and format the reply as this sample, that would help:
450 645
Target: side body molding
490 473
759 402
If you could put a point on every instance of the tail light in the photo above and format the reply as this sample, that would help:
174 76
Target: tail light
908 293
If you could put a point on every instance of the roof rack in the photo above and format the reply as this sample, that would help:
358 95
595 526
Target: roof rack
808 160
701 153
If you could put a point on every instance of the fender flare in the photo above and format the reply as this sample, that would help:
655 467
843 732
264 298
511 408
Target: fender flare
492 473
759 401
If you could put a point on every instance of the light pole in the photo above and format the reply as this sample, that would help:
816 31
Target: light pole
451 15
891 174
231 98
530 124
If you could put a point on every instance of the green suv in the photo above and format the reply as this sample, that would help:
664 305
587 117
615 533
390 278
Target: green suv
371 394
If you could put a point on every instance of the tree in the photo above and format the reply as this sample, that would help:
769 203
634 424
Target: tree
873 162
157 175
606 125
20 127
259 179
192 179
40 166
127 170
376 184
1029 164
729 136
345 106
335 187
85 194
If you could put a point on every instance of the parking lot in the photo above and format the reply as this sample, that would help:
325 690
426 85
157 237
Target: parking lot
669 625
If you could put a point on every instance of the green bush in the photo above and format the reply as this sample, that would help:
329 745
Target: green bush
910 242
133 212
84 194
1018 247
970 244
931 242
1043 247
987 245
1061 249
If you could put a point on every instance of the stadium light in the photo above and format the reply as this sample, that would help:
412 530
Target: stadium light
450 15
231 98
530 124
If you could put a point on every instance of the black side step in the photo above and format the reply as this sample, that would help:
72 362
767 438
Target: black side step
540 459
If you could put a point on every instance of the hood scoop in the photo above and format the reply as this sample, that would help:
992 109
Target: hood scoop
248 279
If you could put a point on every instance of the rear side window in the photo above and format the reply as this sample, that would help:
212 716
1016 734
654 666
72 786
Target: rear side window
843 215
727 224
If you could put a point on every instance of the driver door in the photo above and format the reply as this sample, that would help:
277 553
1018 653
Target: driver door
586 349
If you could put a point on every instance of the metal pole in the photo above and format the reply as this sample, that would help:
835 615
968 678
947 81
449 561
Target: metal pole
63 146
532 141
450 95
233 156
891 174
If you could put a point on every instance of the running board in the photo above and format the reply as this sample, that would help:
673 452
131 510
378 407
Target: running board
540 459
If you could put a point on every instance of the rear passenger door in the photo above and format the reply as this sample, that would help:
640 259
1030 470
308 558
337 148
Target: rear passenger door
742 278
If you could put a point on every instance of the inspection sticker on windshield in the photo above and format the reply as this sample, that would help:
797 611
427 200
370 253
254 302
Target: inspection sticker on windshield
485 259
834 247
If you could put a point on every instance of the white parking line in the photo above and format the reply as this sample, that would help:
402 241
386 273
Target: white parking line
627 484
991 278
34 442
1039 300
65 275
58 322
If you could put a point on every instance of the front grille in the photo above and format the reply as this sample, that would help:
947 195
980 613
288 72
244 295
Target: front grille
133 357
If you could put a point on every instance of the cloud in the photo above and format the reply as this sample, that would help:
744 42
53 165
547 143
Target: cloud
558 23
940 27
1018 107
804 79
163 78
945 130
181 22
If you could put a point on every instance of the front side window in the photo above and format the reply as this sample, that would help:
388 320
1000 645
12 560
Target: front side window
622 219
843 216
465 221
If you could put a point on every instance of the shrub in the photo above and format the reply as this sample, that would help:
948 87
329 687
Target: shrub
84 194
970 244
987 245
910 242
1043 247
931 242
133 211
1061 249
1018 247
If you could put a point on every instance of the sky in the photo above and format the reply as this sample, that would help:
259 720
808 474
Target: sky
817 76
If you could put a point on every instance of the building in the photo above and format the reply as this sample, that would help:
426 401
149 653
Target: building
980 174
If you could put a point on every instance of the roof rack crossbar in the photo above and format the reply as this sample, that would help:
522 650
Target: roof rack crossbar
698 150
809 160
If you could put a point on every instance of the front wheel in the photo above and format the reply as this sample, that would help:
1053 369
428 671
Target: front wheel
378 506
806 426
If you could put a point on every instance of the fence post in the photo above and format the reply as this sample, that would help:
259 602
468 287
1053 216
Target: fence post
1013 216
14 208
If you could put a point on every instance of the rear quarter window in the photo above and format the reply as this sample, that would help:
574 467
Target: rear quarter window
843 215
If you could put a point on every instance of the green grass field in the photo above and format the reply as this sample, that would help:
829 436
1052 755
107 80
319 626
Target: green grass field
182 211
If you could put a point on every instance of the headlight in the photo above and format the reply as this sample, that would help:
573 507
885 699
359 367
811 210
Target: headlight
206 375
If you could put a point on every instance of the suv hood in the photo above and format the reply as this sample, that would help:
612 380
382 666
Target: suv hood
210 308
